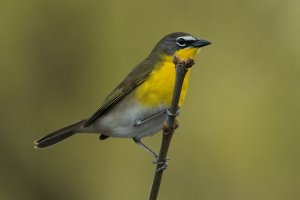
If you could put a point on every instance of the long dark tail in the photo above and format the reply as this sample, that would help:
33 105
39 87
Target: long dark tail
59 135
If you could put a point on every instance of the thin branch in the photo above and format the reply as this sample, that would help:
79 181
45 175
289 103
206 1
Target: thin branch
181 69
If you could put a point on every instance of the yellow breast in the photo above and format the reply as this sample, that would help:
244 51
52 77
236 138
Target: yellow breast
158 88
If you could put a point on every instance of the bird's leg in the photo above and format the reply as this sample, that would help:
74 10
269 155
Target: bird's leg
140 122
139 142
163 163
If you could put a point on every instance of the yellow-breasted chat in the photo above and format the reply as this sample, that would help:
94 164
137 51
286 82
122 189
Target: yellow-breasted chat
136 108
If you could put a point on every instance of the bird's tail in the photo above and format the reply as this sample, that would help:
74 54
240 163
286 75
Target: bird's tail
59 135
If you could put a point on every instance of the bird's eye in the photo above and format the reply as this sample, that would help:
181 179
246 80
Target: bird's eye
180 42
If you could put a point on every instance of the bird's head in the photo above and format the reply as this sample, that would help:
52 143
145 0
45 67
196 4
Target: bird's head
183 45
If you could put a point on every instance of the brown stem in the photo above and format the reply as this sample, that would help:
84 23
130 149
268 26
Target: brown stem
181 69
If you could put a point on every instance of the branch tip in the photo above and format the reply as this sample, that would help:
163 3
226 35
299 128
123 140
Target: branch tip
176 59
189 63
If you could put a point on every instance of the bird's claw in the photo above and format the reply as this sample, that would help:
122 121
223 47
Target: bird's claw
161 165
167 111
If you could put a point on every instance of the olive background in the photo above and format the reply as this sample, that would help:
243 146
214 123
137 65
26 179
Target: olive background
239 127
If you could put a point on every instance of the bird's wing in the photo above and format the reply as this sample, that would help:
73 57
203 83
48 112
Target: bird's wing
138 75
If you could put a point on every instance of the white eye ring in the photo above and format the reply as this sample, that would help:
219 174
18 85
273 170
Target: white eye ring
182 42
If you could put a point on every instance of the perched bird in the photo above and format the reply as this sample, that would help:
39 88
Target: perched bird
137 107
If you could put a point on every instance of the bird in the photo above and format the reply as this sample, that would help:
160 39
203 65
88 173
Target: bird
138 106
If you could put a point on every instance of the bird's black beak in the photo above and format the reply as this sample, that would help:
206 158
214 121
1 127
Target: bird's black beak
200 43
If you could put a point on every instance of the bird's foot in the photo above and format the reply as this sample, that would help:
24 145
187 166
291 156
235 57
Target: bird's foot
167 111
161 165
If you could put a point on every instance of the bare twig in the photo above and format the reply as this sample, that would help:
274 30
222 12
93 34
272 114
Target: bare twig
181 69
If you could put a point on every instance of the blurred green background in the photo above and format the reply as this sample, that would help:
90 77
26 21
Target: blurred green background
239 135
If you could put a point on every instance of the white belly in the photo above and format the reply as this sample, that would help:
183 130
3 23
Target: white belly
121 120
